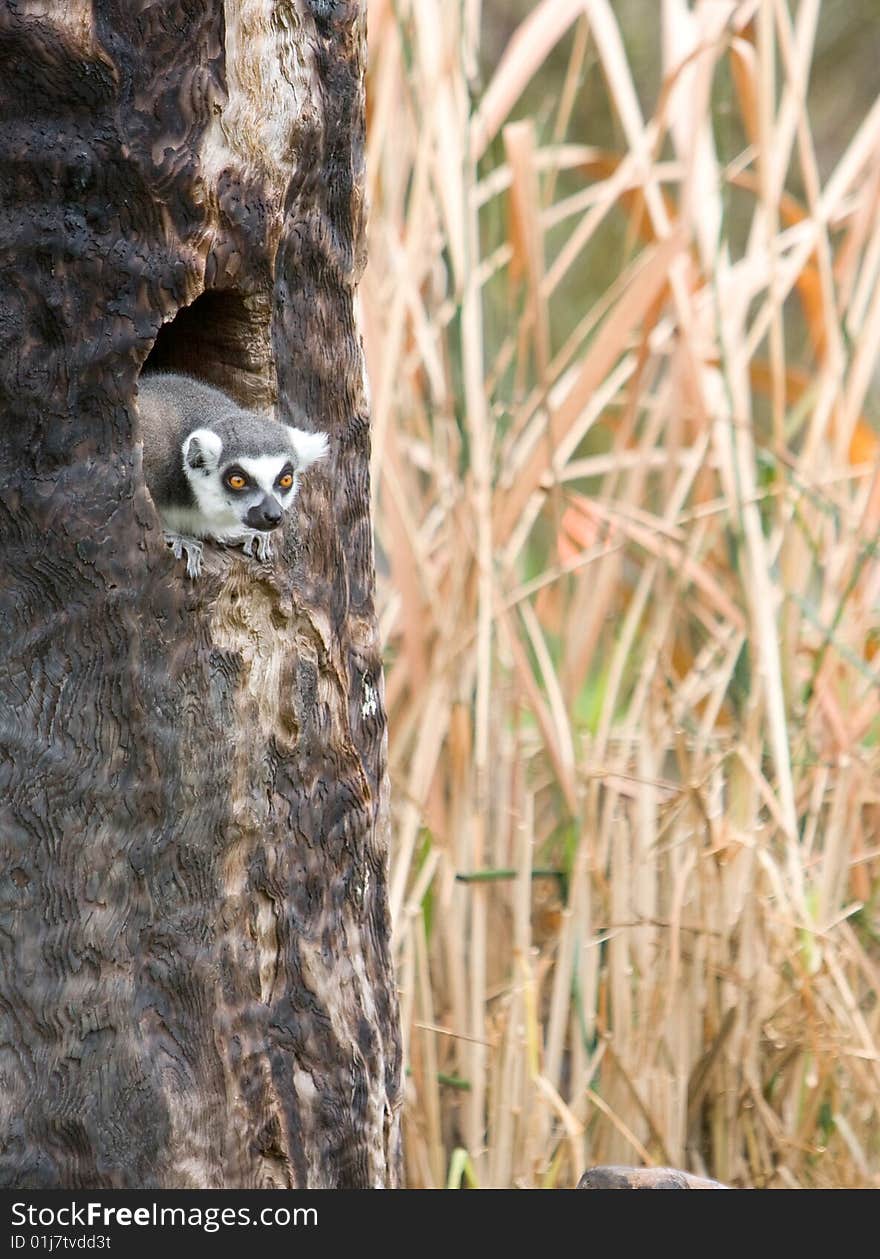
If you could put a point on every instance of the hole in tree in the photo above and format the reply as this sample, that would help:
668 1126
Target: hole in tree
223 339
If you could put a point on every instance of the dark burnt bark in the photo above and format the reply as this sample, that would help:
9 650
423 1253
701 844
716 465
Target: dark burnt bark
195 973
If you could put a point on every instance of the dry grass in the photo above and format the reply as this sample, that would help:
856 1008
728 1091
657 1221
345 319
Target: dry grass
629 527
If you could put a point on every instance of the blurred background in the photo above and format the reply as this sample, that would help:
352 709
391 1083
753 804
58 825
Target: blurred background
622 318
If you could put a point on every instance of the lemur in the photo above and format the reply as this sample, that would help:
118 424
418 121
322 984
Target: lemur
216 470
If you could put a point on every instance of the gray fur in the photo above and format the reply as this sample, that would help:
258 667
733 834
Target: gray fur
192 434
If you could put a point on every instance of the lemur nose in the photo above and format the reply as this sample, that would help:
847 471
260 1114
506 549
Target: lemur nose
265 515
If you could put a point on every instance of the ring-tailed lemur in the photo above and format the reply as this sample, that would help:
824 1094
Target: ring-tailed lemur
216 470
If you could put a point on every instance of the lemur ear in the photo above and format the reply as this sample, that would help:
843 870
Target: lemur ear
309 447
202 449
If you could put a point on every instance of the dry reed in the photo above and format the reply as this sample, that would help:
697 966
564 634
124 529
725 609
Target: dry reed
627 533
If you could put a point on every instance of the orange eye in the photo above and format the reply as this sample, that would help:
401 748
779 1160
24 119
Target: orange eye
286 481
236 481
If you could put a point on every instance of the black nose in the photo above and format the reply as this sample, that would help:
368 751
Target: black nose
265 515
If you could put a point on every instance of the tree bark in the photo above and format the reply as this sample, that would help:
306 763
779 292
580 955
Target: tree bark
196 986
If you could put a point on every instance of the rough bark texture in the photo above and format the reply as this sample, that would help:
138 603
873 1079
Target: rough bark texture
195 975
644 1178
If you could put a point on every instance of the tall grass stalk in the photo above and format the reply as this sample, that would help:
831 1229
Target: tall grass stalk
627 518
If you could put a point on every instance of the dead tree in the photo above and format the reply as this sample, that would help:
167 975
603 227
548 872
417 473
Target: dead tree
195 976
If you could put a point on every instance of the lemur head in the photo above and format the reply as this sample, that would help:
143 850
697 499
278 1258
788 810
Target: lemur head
244 470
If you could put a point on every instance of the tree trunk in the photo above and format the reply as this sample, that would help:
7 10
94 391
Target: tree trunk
195 975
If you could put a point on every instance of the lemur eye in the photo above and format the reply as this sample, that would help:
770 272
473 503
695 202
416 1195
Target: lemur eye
236 481
285 480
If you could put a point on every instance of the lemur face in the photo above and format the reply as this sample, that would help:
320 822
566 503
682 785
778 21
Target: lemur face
260 489
247 491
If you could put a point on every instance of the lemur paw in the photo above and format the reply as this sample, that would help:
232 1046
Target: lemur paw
190 547
263 542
